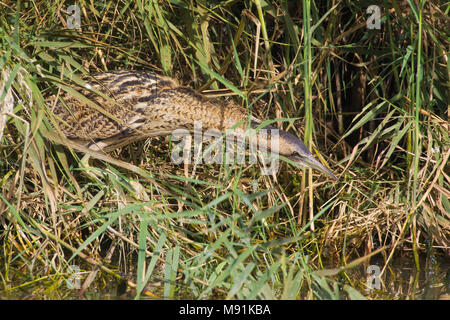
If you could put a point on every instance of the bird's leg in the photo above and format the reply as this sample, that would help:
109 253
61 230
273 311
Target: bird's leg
95 174
87 169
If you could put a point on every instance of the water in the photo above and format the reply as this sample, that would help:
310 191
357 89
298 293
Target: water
401 280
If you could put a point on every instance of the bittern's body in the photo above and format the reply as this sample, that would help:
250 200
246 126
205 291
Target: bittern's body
125 106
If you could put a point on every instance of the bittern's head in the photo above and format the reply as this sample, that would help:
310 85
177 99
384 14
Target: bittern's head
294 149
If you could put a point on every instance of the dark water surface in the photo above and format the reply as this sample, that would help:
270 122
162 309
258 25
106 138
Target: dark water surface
400 280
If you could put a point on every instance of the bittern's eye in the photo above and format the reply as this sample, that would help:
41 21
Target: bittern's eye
297 153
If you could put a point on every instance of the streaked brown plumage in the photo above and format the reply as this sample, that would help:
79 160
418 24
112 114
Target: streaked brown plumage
132 105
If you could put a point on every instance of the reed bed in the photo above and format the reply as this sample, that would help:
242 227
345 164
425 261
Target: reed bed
373 102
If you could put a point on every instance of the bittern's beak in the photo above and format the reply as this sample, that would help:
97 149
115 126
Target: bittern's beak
310 162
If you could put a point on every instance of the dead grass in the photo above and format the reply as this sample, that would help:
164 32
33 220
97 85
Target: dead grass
216 231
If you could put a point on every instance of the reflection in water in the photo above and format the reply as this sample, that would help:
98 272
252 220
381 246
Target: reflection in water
401 280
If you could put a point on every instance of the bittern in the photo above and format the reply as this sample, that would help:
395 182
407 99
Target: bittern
126 106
